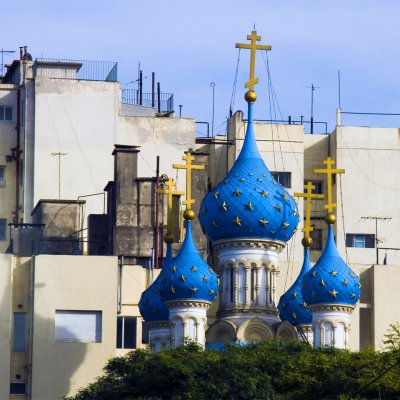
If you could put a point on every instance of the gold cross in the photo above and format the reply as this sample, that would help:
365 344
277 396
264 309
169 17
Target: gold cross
188 166
253 47
309 195
329 172
170 192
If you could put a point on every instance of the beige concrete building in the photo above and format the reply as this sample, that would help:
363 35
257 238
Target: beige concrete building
59 122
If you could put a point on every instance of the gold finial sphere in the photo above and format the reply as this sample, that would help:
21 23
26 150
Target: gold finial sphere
169 238
189 214
307 241
330 218
250 96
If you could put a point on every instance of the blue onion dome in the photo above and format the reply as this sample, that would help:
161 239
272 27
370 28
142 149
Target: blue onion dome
189 277
331 281
151 305
292 307
249 203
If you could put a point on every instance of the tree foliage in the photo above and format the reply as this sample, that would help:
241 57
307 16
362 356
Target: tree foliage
265 370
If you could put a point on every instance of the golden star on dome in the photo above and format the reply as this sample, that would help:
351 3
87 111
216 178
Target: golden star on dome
242 179
333 273
263 221
304 304
274 182
210 269
173 269
249 206
295 294
237 193
353 295
237 221
173 289
250 174
359 285
322 282
216 195
194 289
182 278
204 278
352 274
194 269
314 274
294 212
278 208
284 195
224 206
259 180
226 181
294 315
236 174
285 224
211 292
264 193
345 283
333 293
214 223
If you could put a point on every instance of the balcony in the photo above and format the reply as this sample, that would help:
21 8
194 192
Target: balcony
162 102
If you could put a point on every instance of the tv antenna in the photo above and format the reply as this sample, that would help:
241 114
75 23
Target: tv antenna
312 105
7 53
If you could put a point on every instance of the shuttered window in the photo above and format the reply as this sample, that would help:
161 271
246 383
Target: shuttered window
78 326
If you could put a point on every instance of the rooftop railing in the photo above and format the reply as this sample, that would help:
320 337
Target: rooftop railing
162 102
76 69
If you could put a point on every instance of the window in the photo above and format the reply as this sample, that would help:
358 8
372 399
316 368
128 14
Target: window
3 229
18 388
6 113
284 178
316 236
318 186
360 240
2 176
78 326
126 332
19 332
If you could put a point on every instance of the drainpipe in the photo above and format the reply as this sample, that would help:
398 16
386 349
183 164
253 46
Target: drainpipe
120 276
156 233
18 157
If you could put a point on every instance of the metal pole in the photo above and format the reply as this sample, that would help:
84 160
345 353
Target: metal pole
180 110
59 154
153 78
212 84
157 227
141 88
158 97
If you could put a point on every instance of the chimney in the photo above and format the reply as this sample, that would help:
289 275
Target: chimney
125 172
21 52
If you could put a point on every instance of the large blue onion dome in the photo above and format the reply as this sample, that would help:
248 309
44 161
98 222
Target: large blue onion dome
151 305
189 277
331 281
292 307
249 203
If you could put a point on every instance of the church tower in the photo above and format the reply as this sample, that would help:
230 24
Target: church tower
248 217
151 305
292 306
331 289
189 285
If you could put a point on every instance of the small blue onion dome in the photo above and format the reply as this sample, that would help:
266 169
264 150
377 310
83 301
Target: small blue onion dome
151 305
331 281
189 277
292 306
249 203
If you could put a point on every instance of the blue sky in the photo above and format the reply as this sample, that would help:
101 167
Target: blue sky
189 44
